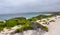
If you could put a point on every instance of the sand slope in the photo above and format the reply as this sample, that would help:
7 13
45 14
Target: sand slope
54 28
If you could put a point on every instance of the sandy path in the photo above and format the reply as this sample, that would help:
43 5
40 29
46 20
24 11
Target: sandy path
54 28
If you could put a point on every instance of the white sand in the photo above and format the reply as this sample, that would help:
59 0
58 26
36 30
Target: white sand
8 31
54 28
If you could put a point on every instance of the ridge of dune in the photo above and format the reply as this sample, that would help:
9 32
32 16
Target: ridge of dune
53 28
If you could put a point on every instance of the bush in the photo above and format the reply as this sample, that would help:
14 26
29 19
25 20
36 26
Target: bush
15 21
45 28
1 28
52 21
11 23
23 28
2 24
44 23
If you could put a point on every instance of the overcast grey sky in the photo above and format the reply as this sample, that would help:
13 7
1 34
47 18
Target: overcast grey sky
23 6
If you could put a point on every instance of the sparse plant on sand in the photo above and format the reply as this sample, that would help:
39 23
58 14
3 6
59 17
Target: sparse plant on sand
52 21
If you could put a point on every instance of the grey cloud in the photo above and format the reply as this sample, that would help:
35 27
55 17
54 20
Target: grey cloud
22 6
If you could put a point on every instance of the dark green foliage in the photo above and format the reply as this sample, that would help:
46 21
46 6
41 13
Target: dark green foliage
2 25
24 27
32 19
20 20
11 23
52 21
39 17
25 23
29 27
15 21
1 28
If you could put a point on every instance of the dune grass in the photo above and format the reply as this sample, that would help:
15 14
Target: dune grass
25 23
52 21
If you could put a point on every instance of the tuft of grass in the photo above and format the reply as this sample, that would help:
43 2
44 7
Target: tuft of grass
45 28
52 21
24 27
1 28
44 23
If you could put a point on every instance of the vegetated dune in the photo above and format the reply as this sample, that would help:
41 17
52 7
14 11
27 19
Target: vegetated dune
21 26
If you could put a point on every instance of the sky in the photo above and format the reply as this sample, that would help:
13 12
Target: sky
24 6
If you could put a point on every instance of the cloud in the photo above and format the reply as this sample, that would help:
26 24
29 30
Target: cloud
22 6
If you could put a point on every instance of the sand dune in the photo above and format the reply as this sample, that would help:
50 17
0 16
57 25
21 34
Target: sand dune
54 27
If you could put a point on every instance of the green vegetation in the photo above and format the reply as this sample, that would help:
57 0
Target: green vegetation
45 28
1 28
24 27
52 21
15 21
29 27
25 23
12 22
39 17
44 23
2 25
